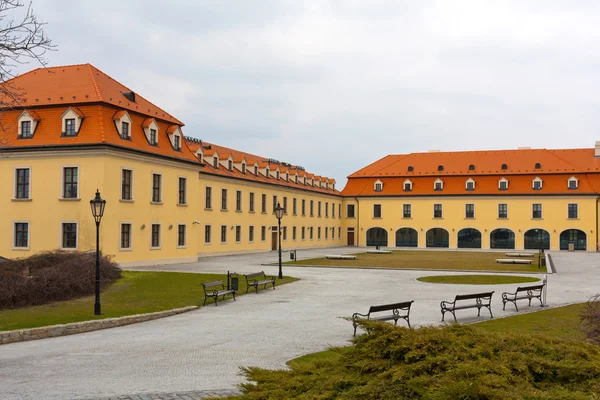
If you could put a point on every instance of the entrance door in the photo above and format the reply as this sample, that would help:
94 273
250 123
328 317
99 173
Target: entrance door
274 239
350 237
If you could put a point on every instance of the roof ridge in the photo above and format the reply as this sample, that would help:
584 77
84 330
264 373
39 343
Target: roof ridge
94 82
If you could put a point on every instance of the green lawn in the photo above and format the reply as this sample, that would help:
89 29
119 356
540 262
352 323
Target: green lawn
477 279
135 293
451 260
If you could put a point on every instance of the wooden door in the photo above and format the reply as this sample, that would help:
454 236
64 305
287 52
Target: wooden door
274 240
350 236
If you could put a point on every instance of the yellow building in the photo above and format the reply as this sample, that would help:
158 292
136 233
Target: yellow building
170 198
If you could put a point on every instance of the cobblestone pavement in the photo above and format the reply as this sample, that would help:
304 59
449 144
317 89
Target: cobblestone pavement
204 349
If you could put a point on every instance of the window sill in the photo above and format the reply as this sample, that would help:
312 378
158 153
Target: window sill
501 219
21 200
406 217
350 217
68 249
129 249
68 199
224 210
156 203
573 219
376 217
182 247
182 204
469 217
154 248
20 248
238 211
222 243
207 244
536 219
208 209
438 218
126 200
251 212
264 212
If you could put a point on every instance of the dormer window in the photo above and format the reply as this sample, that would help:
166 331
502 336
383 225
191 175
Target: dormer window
378 186
150 128
230 165
504 167
471 167
537 184
70 127
538 165
216 162
27 123
470 184
503 184
440 168
573 183
296 178
305 180
177 142
277 175
408 186
25 130
438 185
125 130
267 172
152 139
410 168
243 168
256 170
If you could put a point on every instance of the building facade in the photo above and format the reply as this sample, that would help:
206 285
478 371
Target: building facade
174 198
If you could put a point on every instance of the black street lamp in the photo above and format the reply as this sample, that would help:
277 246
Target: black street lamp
97 205
279 214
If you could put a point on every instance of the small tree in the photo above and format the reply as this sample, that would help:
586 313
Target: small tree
590 320
22 39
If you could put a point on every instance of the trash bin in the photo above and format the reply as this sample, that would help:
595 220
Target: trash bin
233 281
571 246
293 255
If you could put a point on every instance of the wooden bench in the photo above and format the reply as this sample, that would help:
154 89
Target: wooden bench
215 293
394 313
512 261
519 254
258 278
481 300
522 293
340 257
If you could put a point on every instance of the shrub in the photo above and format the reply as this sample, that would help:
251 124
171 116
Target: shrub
590 320
450 362
52 276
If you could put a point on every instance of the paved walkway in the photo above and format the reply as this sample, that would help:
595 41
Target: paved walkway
203 350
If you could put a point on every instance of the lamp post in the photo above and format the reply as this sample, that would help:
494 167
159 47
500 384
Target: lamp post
97 205
279 215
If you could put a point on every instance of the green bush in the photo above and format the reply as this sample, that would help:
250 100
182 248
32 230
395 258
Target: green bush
439 363
590 320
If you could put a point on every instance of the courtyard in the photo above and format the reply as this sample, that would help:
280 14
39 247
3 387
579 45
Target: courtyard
203 349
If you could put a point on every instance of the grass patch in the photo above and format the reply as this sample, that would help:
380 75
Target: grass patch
134 293
476 279
443 260
562 322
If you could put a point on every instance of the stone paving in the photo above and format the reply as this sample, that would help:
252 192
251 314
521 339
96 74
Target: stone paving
200 352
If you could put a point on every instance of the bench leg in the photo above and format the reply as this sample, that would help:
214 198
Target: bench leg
205 298
491 315
233 296
408 322
273 285
454 315
516 308
257 288
443 313
478 311
216 300
355 326
503 305
247 287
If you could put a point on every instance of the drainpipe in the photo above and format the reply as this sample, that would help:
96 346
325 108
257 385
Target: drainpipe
597 202
358 221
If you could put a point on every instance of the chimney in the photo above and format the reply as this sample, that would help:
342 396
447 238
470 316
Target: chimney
597 152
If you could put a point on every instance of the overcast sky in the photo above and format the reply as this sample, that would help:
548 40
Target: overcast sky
335 85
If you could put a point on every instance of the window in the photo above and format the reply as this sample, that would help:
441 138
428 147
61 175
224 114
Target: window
312 208
264 203
238 234
332 233
207 233
573 183
503 184
176 142
274 203
180 235
438 185
504 167
573 211
326 210
215 162
332 210
126 184
471 167
326 233
125 236
22 183
410 168
440 168
223 199
378 187
350 211
243 168
408 186
182 190
537 184
437 211
251 206
153 137
340 210
277 175
263 233
21 240
156 192
267 173
303 207
285 205
69 235
223 233
339 233
284 232
469 210
251 234
26 129
70 127
318 233
230 165
125 130
470 185
319 209
303 233
502 211
155 241
377 211
293 233
208 204
238 200
70 182
538 165
537 211
255 170
294 206
406 211
311 233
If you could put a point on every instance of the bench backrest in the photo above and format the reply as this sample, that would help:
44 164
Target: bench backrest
255 275
473 296
388 307
526 288
211 284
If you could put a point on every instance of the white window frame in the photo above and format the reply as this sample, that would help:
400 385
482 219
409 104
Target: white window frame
25 116
185 190
62 182
235 231
378 182
70 114
121 185
185 236
438 180
537 179
500 182
160 232
152 173
30 184
404 184
571 179
410 206
119 124
577 217
152 125
211 234
60 235
470 180
221 234
130 248
14 238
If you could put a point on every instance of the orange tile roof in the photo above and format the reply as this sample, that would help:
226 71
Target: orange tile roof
78 84
556 167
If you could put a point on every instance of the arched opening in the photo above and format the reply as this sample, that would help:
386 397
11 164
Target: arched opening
407 237
537 239
377 237
437 237
575 236
469 238
502 239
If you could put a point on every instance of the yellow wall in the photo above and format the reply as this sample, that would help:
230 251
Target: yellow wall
554 213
